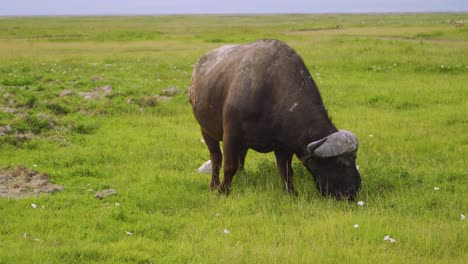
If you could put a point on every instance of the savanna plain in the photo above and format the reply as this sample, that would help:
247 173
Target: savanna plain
100 103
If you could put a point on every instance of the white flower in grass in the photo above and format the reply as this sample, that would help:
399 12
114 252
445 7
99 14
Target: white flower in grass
34 206
128 233
388 238
361 203
25 235
357 167
226 231
436 188
117 204
356 226
462 217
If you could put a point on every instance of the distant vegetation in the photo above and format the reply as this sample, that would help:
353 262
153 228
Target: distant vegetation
100 102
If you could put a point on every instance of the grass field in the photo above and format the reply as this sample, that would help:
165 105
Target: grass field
398 81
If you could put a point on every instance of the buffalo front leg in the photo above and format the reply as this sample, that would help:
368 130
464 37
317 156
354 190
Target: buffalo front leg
216 158
283 162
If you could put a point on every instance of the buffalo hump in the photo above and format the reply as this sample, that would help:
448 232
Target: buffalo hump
263 87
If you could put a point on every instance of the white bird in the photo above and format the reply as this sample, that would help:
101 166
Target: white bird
205 168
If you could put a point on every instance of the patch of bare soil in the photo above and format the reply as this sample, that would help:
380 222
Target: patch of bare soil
21 182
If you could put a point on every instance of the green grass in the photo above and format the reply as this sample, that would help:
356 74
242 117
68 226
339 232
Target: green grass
400 78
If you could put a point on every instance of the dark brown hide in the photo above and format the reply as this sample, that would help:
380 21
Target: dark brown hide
259 96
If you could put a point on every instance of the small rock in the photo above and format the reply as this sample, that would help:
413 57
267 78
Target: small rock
87 95
24 137
5 130
162 98
97 93
96 78
105 89
49 119
9 110
171 91
66 93
105 193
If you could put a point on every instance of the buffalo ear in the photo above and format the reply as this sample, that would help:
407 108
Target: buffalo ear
315 145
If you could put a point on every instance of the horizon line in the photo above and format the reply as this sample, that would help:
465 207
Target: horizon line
237 14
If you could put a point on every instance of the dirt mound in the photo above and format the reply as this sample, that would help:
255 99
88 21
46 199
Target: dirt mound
22 182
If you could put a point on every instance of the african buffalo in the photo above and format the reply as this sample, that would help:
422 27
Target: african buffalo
261 96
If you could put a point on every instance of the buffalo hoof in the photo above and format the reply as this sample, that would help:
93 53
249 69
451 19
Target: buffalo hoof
214 185
223 189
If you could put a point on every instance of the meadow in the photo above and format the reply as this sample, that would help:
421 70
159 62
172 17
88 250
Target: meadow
398 81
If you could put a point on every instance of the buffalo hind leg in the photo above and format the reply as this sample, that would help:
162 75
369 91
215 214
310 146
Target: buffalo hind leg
231 163
216 157
283 162
242 155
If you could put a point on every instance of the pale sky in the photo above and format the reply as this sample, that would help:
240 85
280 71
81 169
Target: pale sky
124 7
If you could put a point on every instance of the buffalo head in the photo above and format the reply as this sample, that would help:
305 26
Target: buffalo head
332 163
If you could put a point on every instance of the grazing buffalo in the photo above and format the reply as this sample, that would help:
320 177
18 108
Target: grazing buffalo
261 96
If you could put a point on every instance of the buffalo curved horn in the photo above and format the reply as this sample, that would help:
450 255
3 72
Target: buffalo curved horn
333 145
